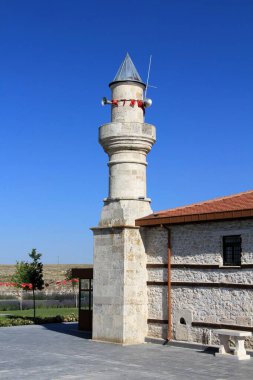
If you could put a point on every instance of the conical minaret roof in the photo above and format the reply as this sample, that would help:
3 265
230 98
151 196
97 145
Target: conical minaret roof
127 72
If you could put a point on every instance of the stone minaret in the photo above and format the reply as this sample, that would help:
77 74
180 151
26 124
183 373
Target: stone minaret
120 291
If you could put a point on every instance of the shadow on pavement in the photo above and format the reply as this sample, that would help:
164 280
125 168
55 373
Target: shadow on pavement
209 350
69 328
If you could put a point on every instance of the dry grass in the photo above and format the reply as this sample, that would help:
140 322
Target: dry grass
51 273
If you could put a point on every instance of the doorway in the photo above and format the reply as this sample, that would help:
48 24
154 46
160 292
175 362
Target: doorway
85 276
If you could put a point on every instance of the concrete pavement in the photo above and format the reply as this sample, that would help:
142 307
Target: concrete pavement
59 351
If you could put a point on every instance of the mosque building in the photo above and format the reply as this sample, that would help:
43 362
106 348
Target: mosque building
176 274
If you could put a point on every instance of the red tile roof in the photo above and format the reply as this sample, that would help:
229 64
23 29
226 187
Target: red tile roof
230 207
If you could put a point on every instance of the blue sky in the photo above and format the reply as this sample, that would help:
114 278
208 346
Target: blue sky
57 58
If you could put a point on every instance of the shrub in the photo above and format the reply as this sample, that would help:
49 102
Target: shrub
19 321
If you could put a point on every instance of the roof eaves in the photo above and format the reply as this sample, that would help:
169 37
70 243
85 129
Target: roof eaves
194 218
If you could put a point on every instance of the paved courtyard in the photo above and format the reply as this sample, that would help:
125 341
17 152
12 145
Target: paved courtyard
59 351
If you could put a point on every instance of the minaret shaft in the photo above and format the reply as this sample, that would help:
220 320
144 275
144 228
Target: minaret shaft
127 175
124 112
127 145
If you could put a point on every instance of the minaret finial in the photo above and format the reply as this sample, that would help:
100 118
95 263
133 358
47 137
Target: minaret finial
127 72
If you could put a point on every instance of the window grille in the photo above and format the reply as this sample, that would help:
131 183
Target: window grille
232 248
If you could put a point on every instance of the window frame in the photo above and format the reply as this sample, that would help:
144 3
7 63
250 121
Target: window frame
235 260
88 290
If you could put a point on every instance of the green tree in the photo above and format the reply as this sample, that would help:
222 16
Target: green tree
29 275
20 278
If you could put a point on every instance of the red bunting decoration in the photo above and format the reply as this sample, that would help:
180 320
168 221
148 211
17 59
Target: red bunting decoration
24 285
7 284
27 286
140 103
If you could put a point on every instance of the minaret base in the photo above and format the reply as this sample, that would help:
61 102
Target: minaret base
123 212
120 285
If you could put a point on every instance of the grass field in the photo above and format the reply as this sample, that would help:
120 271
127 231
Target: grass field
22 317
42 313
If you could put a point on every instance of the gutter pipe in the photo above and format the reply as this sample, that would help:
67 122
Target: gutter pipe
169 336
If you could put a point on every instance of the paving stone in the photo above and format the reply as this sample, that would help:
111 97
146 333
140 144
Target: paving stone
61 352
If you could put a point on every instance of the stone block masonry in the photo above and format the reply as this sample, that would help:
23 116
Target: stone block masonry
120 299
199 244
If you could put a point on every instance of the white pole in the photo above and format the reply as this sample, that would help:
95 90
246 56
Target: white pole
149 66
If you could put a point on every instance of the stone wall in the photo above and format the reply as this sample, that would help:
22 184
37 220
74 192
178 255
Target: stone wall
202 243
198 244
119 294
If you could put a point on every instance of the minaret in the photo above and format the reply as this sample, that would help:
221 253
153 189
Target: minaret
120 291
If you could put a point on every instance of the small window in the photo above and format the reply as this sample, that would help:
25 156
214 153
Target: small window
232 249
85 294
